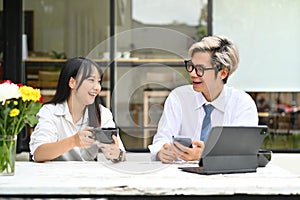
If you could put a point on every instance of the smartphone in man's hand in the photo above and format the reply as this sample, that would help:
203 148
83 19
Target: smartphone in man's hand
185 141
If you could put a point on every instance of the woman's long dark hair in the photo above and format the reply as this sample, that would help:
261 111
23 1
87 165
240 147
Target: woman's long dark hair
84 67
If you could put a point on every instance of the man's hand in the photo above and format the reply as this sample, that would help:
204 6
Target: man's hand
189 154
167 153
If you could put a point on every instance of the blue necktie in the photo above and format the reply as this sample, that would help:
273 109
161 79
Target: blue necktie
206 125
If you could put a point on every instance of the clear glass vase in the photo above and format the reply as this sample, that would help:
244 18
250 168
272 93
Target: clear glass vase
7 154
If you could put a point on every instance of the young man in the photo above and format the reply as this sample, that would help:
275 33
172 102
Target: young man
213 60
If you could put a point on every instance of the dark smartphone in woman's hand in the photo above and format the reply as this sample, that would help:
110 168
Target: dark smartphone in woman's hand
104 135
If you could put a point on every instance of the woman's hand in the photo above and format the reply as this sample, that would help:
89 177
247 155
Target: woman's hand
52 150
111 151
83 139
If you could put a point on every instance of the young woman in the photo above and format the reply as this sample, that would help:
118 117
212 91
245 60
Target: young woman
63 131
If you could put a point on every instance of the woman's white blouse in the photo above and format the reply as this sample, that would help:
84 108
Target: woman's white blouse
55 123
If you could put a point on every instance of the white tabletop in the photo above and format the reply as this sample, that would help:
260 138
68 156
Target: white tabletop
140 176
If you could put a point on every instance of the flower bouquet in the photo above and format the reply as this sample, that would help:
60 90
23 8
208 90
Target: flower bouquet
19 105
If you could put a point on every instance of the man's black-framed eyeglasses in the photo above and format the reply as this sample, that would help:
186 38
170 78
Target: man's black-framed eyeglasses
189 65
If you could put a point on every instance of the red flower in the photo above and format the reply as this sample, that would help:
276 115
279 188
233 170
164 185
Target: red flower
6 81
10 82
41 99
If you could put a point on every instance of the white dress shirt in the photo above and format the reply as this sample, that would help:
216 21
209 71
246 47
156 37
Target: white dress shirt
183 114
55 123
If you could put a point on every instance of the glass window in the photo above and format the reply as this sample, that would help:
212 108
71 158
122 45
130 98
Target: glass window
167 12
187 18
266 33
66 27
152 40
